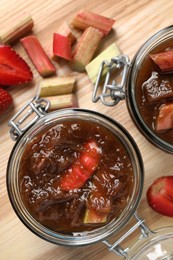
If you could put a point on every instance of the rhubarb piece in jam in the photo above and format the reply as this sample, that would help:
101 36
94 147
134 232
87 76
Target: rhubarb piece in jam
75 176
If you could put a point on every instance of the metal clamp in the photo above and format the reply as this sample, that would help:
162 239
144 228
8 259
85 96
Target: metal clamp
117 249
114 90
37 107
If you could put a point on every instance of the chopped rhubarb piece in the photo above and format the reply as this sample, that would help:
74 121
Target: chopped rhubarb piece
160 195
38 56
157 88
62 46
85 19
62 101
92 216
66 31
164 60
164 120
19 26
86 48
93 67
77 175
97 208
13 69
57 86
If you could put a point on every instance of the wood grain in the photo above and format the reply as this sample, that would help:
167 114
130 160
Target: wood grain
136 21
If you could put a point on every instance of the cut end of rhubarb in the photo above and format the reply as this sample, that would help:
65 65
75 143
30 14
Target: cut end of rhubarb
66 31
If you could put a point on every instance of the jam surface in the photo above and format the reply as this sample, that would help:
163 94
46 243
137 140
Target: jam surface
48 157
154 89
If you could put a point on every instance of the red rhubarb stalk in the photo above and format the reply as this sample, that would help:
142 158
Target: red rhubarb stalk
85 19
77 175
164 120
62 46
38 56
164 60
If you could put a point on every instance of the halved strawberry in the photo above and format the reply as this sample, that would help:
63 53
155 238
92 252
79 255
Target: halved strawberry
5 100
160 195
13 69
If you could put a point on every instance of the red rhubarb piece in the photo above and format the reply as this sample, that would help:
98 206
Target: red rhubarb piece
38 56
160 195
164 60
77 175
85 19
62 46
13 69
164 120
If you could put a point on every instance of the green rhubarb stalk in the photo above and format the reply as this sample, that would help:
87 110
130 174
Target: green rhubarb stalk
93 217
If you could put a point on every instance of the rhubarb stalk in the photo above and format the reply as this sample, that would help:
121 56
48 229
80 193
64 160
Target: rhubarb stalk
86 48
85 19
38 56
57 86
62 101
18 27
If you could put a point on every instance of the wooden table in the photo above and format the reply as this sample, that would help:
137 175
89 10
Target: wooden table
135 22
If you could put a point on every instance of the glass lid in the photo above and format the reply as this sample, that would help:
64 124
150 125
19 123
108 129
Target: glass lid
158 245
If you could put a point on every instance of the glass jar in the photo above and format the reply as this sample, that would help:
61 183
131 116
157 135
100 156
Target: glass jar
114 92
50 119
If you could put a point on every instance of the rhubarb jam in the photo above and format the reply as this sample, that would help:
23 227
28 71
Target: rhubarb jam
154 89
88 157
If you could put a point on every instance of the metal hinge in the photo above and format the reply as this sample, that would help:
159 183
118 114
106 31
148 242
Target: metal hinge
116 247
114 92
35 109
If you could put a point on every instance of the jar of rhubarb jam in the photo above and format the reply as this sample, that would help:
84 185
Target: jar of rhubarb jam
75 177
147 87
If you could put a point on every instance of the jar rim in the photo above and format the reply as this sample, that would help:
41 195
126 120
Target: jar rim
83 238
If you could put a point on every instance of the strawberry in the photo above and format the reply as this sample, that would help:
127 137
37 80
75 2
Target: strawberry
76 175
160 195
13 69
5 100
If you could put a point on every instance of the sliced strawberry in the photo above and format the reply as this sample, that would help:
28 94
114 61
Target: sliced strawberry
5 100
160 195
164 60
13 69
77 175
164 120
